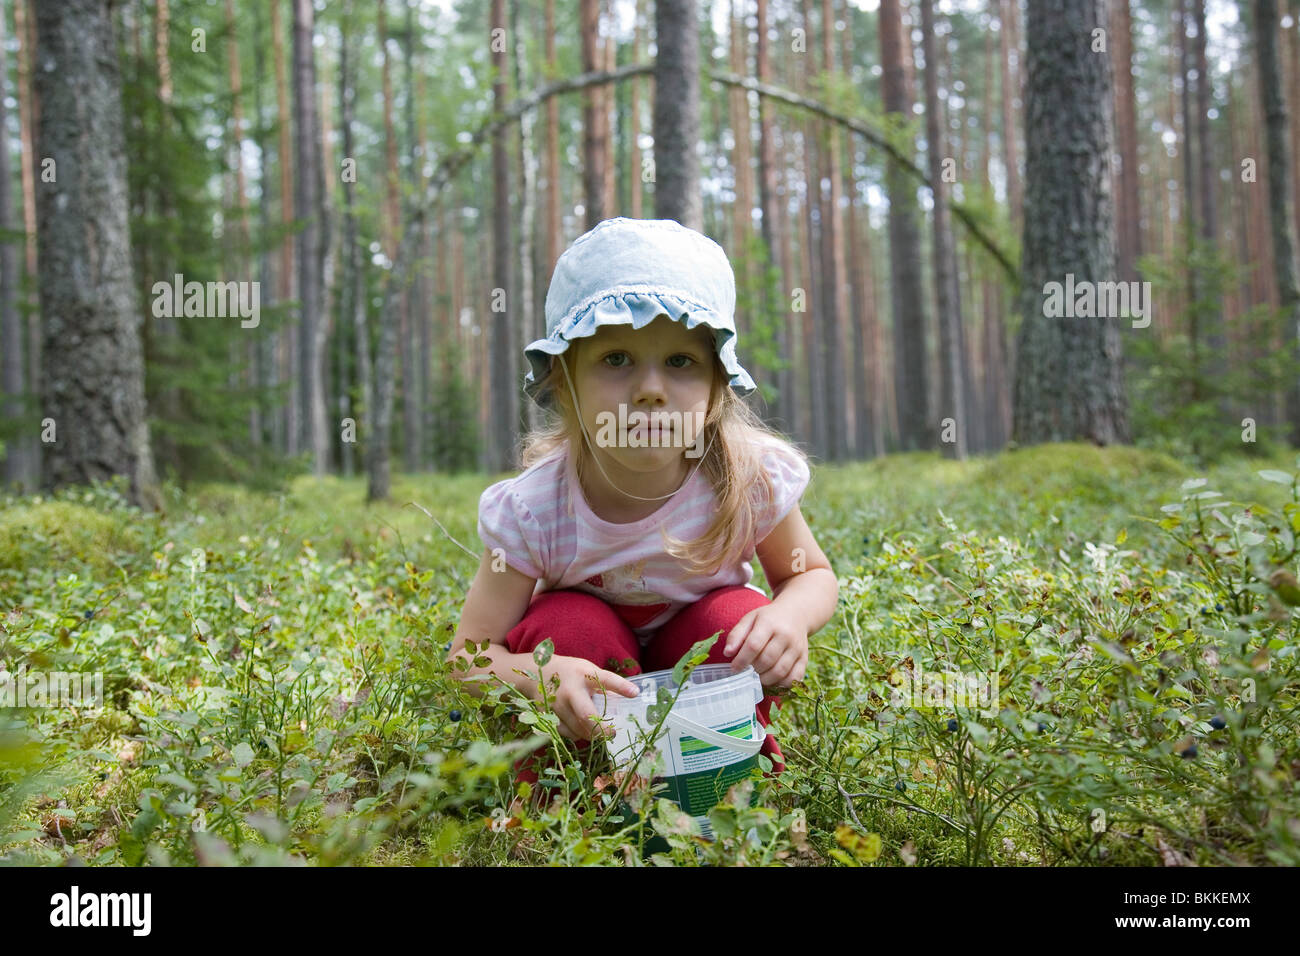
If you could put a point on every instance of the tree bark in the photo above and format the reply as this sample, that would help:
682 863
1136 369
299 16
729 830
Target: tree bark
94 394
20 458
1068 371
947 296
291 424
816 294
1276 120
677 114
524 321
1130 206
554 238
636 197
595 123
834 269
309 186
1010 90
414 309
769 206
910 379
504 421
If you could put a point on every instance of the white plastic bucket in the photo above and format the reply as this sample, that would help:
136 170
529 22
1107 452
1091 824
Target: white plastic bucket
709 741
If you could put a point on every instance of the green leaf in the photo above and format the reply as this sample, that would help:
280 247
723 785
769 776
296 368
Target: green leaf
542 653
1275 476
698 654
243 754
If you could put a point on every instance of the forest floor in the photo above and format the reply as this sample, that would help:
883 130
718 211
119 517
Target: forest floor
274 689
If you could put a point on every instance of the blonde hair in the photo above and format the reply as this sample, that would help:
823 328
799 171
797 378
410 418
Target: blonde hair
734 439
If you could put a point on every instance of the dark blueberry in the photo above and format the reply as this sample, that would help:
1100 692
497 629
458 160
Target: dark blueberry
1219 608
454 715
1217 722
1205 610
1190 752
866 540
952 724
447 649
900 787
89 614
1042 727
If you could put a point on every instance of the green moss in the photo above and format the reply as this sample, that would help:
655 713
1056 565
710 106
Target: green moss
52 533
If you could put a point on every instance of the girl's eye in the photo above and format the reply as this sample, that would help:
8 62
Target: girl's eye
689 361
615 355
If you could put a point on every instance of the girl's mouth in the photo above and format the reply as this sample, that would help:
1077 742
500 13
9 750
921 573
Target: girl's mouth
651 431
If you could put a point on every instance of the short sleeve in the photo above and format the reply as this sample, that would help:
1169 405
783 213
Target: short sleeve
789 475
505 522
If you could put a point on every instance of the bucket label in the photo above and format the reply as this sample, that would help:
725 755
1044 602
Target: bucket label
698 793
699 755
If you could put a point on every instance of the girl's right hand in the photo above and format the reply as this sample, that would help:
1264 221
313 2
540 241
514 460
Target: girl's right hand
572 702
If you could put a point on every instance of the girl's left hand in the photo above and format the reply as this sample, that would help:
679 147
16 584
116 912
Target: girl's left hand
775 640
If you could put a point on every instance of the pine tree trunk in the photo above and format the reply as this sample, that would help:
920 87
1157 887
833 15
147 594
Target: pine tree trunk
1279 186
504 421
834 269
95 392
290 427
1011 88
310 240
1216 366
1068 381
952 402
554 238
1130 207
594 122
354 303
677 114
413 311
636 199
816 298
769 204
608 111
524 314
910 379
28 110
20 459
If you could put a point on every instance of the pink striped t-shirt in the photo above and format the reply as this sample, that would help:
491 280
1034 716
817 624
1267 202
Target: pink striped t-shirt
545 529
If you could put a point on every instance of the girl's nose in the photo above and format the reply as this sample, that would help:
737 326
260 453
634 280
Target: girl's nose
650 385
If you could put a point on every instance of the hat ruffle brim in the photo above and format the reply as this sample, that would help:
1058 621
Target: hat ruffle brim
637 309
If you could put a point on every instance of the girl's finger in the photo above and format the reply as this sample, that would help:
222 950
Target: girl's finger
783 671
567 730
749 651
611 682
739 633
799 669
774 651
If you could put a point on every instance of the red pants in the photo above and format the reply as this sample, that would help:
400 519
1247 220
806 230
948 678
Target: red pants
582 625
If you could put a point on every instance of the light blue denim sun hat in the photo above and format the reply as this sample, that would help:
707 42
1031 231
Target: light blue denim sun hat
629 272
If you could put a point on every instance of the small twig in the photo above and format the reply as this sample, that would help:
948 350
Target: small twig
412 504
907 806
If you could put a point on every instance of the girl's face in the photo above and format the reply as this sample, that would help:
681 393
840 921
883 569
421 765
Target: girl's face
660 368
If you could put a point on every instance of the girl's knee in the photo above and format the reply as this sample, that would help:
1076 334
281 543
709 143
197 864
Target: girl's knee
578 625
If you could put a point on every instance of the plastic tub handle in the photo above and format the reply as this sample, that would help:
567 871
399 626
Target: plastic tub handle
747 746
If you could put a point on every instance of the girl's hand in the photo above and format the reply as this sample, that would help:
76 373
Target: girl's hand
572 702
774 640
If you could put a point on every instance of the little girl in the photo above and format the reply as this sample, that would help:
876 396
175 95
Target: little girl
629 536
